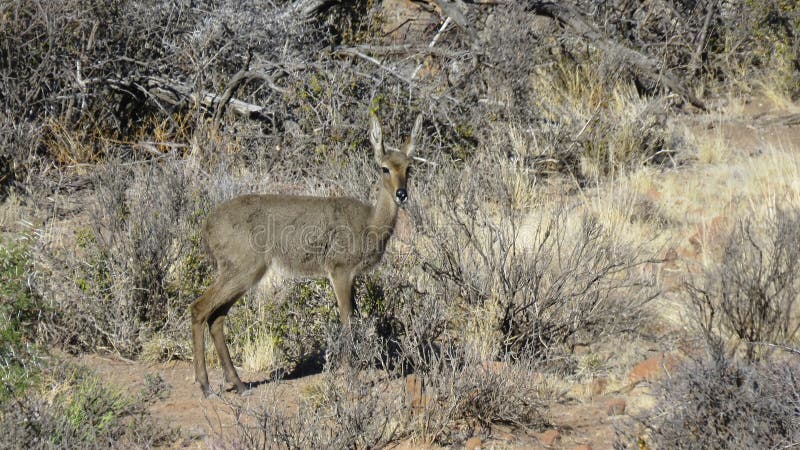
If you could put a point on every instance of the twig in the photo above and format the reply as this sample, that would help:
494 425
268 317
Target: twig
404 49
242 108
433 43
426 161
350 51
785 348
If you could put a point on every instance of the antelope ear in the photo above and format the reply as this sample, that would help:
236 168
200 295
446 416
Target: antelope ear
411 145
376 136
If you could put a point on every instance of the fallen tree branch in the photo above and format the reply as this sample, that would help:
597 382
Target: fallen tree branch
176 94
580 24
238 106
311 9
451 11
404 49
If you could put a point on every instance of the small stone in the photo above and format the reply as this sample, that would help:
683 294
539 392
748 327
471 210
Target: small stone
616 407
196 433
652 195
550 437
583 447
473 443
494 367
652 368
711 232
580 349
598 386
670 259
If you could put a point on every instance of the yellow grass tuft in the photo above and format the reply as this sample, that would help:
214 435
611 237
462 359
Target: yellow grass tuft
260 351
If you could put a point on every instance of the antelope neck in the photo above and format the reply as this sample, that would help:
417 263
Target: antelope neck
384 213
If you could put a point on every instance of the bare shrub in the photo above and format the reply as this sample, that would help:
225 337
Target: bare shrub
750 297
360 401
462 390
350 406
720 43
545 282
19 143
715 402
135 265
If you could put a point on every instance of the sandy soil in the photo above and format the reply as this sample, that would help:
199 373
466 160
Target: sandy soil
203 423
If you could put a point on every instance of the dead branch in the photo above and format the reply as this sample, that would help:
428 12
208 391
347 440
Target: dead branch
311 9
403 49
175 94
241 108
352 51
452 11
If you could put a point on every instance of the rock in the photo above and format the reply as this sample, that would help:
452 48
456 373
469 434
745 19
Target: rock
598 386
616 407
652 195
583 447
710 233
405 20
196 433
670 258
494 367
652 368
473 443
580 349
550 437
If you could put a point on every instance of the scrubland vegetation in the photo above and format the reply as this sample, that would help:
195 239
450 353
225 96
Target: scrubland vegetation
579 192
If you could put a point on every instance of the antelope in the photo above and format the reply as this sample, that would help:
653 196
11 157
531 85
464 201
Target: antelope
298 236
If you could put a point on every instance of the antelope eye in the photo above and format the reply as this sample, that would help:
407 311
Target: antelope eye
385 169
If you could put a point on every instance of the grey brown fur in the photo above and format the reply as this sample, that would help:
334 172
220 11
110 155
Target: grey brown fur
337 237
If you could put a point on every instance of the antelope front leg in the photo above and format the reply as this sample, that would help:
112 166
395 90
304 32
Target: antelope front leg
342 283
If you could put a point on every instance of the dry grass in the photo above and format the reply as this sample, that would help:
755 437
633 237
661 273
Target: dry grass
11 213
609 126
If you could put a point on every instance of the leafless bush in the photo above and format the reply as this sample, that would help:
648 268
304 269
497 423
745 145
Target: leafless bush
361 401
98 62
545 283
750 297
135 265
461 390
717 42
18 154
715 402
350 406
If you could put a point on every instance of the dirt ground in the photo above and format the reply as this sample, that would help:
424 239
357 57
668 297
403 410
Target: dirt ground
204 422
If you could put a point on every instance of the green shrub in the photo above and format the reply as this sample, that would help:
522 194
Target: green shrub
73 408
20 311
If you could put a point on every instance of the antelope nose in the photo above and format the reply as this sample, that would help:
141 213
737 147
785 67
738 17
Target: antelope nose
401 195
